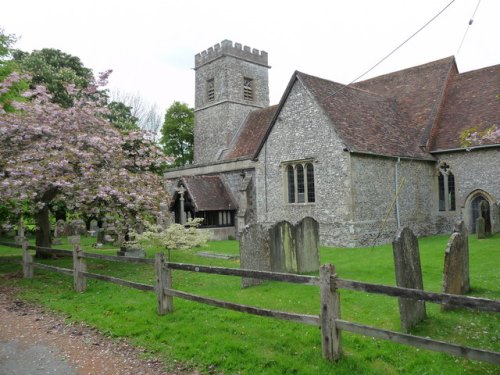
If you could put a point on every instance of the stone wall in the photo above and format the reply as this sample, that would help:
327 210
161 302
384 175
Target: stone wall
303 131
476 172
217 121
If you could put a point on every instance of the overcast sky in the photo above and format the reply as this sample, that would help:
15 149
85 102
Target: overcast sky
150 44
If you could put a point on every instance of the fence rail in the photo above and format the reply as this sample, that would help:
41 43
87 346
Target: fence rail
328 319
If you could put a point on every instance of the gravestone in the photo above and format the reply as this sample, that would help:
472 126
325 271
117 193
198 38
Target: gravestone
255 252
77 228
282 247
61 229
480 228
94 226
408 275
307 242
456 264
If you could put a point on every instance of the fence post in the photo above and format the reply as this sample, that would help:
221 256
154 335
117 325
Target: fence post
330 310
27 261
165 303
79 266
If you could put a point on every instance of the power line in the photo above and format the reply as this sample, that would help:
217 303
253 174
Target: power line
392 52
468 26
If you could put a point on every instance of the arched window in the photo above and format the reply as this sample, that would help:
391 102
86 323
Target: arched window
310 182
300 184
451 191
442 202
291 184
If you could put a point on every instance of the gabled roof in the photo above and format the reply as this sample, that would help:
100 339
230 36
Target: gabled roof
366 122
208 193
251 134
471 102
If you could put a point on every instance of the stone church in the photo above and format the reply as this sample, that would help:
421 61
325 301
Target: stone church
362 159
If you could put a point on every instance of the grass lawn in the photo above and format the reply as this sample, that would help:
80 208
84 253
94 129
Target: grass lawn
206 337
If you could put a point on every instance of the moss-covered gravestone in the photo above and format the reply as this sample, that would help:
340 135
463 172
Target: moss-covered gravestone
408 275
456 263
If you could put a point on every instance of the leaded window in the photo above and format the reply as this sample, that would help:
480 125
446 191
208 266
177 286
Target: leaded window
442 202
451 192
299 182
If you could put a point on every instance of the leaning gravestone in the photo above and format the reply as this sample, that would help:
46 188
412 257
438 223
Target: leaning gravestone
456 264
408 275
307 242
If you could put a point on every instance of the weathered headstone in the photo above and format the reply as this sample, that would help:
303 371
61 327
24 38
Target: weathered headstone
77 227
61 229
461 228
94 226
255 253
282 247
307 242
480 228
456 266
408 275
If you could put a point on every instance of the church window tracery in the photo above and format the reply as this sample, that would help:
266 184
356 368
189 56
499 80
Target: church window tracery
446 189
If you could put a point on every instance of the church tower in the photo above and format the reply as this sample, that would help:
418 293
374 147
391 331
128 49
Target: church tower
231 81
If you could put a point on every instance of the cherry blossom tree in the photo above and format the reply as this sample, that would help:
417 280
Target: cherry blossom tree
75 154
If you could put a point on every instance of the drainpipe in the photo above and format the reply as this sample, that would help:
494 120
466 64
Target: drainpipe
396 186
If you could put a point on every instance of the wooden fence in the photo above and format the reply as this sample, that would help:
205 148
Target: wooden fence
329 318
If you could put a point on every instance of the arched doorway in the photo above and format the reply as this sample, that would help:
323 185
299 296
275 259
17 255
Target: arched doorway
478 209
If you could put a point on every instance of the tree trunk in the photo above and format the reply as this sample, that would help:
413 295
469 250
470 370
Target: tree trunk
43 234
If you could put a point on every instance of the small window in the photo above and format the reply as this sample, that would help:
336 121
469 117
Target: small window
210 90
247 88
299 180
442 203
451 192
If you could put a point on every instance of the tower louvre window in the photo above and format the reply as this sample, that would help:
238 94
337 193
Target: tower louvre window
210 90
247 88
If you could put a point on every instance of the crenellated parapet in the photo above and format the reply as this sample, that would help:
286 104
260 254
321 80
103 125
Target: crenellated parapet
227 48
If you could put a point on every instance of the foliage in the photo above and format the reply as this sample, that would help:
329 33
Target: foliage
11 85
221 341
474 137
120 116
55 69
175 236
177 133
47 151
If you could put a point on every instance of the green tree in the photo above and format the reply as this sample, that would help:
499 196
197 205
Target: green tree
177 133
121 117
12 90
54 69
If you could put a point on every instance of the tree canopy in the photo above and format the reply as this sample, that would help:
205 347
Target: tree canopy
177 133
54 69
49 151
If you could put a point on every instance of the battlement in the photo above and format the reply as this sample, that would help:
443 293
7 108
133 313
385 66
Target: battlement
226 48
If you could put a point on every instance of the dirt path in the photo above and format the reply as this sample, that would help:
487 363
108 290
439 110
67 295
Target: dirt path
36 342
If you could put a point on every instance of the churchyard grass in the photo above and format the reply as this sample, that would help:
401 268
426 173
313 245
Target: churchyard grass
221 341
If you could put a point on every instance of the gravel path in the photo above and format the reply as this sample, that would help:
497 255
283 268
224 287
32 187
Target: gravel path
34 342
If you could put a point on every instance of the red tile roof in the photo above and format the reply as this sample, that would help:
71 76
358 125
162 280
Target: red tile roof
251 134
471 102
208 193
